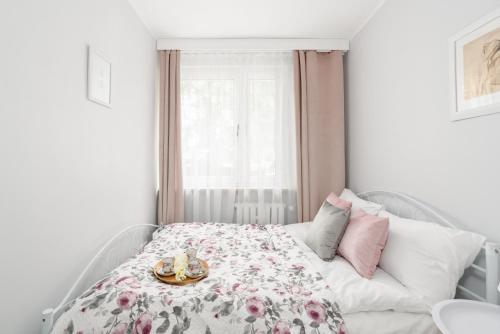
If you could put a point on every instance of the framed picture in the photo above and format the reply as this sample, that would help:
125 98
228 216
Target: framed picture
475 69
98 79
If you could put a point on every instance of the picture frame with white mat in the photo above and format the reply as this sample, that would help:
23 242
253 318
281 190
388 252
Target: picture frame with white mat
98 78
475 69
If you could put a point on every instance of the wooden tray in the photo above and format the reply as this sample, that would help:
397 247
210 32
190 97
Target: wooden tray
173 281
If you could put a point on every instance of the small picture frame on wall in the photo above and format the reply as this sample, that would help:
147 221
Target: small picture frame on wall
98 78
475 69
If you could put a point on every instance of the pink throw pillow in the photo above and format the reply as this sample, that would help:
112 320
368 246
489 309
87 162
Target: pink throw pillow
363 241
339 202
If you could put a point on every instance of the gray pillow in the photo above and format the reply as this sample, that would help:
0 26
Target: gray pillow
327 230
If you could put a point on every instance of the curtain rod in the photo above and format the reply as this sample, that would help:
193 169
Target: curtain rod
253 44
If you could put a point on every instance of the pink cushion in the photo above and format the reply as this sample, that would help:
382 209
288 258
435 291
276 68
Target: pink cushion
338 202
363 241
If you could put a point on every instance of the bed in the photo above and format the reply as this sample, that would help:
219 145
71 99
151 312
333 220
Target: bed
262 277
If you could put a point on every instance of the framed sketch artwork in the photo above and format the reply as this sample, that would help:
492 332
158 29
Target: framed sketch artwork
475 69
98 79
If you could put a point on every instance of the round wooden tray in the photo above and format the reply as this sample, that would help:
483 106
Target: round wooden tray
171 279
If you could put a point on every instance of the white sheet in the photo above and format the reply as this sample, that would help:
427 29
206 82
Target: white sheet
389 323
381 305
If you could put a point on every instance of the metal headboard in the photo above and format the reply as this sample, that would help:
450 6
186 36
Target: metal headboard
408 207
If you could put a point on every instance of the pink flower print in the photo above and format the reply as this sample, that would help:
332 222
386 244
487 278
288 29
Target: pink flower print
299 290
306 292
167 300
255 306
126 300
102 284
280 291
252 289
255 268
128 281
342 329
219 289
121 328
298 267
209 250
239 287
316 311
296 289
143 324
281 327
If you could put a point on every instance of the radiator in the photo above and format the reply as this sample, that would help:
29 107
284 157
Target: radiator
253 213
244 206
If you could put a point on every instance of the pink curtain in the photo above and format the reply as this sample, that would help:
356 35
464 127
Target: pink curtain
171 197
319 104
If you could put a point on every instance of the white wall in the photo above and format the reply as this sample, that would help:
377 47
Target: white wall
72 173
399 134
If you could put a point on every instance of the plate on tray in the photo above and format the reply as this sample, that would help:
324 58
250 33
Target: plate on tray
202 273
160 267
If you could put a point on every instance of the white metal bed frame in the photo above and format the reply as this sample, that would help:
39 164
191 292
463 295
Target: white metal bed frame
129 241
408 207
119 248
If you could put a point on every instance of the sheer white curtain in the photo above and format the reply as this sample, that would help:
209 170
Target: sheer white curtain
238 137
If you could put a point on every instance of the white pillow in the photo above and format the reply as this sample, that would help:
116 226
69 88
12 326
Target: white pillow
428 258
358 203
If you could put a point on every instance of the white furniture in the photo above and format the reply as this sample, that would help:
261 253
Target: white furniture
128 242
460 316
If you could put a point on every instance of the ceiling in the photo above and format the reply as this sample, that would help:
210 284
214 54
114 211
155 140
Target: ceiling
255 18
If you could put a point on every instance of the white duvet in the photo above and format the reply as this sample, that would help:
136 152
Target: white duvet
378 305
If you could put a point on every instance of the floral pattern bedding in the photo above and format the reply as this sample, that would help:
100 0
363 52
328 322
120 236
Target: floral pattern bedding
259 282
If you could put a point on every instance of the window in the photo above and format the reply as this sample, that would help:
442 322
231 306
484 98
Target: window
237 121
238 136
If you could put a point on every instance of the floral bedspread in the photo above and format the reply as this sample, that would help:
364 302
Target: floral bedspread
259 282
